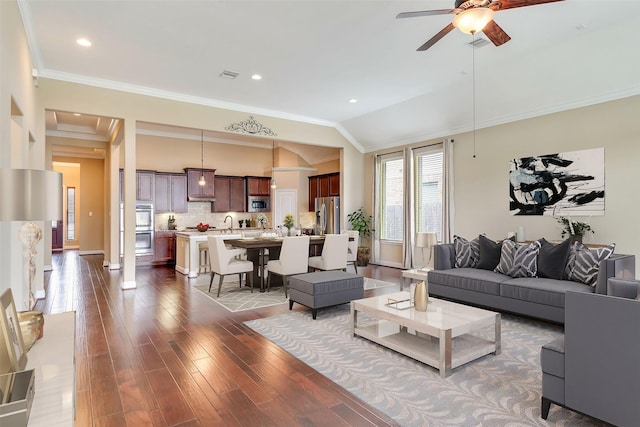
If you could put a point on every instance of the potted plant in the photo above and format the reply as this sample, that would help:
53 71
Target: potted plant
288 222
262 220
361 221
575 229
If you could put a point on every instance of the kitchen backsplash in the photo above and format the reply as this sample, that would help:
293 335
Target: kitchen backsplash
200 212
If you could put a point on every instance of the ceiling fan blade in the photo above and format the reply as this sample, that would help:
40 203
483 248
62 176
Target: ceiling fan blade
510 4
433 40
424 13
495 33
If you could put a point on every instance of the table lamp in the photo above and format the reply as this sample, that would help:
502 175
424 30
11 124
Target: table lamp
426 240
30 195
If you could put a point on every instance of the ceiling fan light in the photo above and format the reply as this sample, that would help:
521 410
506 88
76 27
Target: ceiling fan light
473 20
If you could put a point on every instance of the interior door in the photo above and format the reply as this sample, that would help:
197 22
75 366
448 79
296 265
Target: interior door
286 201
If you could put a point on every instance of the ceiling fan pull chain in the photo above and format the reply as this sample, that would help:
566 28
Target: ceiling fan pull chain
473 79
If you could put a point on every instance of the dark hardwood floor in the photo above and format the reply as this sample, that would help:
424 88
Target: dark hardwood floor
164 355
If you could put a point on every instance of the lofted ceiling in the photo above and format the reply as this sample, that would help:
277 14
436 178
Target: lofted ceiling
314 56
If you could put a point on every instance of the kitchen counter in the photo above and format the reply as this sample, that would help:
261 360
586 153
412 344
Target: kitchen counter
187 252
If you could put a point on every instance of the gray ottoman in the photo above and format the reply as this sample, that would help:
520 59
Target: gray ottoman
324 289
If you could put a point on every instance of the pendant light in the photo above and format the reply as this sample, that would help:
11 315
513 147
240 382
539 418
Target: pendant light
273 165
202 181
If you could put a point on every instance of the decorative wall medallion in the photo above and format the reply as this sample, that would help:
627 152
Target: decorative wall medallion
250 126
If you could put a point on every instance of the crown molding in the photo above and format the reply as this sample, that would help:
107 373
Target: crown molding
174 96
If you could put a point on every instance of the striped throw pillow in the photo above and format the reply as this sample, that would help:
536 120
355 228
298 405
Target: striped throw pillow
518 260
584 263
467 252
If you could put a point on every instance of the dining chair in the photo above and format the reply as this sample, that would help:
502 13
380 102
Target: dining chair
224 261
294 257
352 251
334 253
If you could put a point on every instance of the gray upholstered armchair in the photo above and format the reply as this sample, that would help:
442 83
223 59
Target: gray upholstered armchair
595 367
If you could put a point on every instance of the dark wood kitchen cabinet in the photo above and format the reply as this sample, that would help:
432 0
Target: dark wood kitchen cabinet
197 192
258 186
230 196
145 185
171 193
323 186
164 247
57 235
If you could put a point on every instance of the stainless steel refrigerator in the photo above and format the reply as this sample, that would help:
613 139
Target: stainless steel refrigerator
327 215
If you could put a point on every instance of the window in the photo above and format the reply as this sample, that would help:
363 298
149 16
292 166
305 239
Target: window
391 197
428 185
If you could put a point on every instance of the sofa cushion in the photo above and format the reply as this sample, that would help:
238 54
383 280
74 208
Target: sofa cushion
583 263
518 260
489 253
541 291
552 357
552 259
467 252
471 279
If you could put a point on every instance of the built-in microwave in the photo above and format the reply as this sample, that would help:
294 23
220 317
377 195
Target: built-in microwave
258 204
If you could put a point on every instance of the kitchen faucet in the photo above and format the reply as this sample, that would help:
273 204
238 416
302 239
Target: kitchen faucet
225 221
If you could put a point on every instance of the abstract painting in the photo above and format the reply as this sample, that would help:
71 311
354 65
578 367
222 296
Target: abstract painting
561 184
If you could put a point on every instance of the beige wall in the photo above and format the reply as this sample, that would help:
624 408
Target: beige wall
481 183
173 155
88 178
21 146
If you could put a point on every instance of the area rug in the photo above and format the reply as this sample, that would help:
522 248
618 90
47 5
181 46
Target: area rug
234 298
502 390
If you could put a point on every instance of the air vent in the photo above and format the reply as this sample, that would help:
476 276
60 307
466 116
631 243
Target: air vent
229 74
477 43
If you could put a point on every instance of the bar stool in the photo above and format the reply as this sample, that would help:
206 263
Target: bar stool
203 257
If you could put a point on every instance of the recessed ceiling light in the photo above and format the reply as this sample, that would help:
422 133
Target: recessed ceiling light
256 77
77 114
353 100
84 42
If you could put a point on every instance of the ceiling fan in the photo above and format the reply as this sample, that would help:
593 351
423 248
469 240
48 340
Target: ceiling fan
473 16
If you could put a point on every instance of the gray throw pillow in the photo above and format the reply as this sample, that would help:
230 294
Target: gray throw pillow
467 252
518 260
552 259
584 263
489 254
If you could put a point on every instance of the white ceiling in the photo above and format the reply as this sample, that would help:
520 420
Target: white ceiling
316 55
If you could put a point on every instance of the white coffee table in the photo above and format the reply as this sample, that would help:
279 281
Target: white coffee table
440 337
418 274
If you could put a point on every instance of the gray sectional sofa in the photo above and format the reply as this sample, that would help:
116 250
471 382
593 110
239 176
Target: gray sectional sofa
530 296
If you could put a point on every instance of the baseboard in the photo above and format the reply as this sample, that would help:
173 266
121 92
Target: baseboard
95 252
128 285
113 266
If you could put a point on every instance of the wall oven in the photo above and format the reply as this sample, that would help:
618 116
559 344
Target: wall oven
144 217
144 229
258 204
144 242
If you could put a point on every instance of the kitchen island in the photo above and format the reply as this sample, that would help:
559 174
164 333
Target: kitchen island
187 252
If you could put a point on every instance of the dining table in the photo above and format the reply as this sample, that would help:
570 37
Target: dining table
256 247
